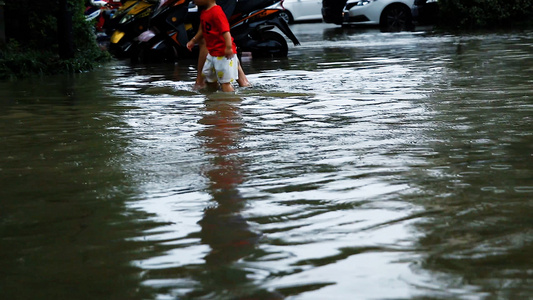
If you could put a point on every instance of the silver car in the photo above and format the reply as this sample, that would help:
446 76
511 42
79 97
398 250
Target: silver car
389 15
300 10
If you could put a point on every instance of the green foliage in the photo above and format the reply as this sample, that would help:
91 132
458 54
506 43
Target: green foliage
470 14
32 46
16 61
83 31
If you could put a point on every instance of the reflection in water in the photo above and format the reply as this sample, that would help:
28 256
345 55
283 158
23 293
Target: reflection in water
61 182
224 229
479 172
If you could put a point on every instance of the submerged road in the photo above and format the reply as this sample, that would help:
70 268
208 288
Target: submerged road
366 165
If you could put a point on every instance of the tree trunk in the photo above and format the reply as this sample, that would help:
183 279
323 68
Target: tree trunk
64 30
2 25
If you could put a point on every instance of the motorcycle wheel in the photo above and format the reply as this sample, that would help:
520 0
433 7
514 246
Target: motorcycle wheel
272 44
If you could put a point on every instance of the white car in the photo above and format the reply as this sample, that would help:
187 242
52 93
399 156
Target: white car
301 10
390 15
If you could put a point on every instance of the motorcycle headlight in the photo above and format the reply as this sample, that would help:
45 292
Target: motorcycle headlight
126 18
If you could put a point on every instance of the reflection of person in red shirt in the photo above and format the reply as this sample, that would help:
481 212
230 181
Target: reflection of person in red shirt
221 64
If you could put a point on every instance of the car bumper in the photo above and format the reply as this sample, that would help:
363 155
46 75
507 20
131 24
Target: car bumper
366 14
359 19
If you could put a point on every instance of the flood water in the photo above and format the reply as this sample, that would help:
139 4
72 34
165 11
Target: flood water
366 165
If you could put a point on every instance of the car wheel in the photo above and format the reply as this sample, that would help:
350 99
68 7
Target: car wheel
286 16
396 18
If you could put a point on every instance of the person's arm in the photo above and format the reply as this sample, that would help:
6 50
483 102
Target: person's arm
195 39
228 52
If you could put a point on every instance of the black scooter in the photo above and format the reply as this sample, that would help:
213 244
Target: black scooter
252 27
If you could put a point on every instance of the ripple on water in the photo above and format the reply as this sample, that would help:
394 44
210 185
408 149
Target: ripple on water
340 166
524 189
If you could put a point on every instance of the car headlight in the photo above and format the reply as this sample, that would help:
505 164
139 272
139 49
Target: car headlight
358 3
365 2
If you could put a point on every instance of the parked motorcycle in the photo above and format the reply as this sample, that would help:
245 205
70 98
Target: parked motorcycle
170 30
128 23
99 12
113 22
252 27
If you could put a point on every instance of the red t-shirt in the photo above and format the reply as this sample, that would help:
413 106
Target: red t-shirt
214 24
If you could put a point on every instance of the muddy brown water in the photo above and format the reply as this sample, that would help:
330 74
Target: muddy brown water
366 165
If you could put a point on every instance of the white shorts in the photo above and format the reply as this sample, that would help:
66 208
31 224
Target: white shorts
221 69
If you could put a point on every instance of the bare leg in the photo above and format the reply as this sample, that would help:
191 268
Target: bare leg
242 80
200 80
227 87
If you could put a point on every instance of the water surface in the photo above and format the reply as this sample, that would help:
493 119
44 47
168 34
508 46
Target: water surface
366 165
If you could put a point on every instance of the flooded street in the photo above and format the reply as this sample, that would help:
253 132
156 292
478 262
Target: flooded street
366 165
